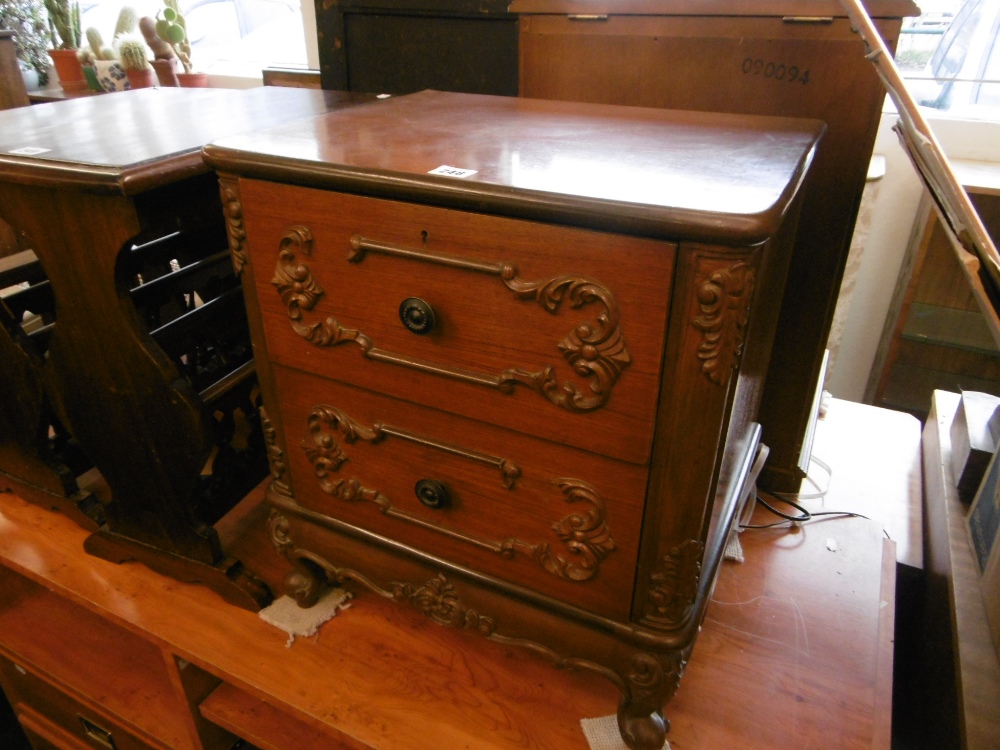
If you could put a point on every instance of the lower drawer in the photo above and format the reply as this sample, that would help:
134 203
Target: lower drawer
560 521
33 697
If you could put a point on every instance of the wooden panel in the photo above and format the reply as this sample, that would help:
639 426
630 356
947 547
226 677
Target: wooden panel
74 717
540 532
116 670
483 327
265 725
957 621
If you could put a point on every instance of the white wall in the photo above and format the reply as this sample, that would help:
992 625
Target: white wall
893 215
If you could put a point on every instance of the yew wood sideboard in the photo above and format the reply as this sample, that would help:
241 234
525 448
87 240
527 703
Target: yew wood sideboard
510 354
143 355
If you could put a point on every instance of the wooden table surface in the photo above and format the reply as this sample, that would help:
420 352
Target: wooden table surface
796 650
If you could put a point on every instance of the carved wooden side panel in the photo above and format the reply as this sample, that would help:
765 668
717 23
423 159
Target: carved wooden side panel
704 356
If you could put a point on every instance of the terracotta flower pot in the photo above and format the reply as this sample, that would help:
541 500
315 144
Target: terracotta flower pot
68 69
166 72
193 80
141 79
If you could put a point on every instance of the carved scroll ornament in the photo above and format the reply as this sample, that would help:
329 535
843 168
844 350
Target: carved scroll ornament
595 350
232 209
584 535
673 586
724 298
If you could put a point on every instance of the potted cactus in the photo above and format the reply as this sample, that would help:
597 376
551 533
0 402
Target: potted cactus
134 58
165 61
64 24
104 58
171 28
31 37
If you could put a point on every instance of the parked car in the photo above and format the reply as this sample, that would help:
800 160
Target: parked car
964 71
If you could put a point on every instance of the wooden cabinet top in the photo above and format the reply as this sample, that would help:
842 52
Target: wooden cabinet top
782 8
128 142
643 171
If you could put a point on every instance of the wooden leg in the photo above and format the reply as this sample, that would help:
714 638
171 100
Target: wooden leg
650 684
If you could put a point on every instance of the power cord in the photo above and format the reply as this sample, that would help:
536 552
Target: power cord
804 515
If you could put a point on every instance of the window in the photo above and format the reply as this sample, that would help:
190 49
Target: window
950 57
228 37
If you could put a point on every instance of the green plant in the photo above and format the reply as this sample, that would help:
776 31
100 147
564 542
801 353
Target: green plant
31 36
125 25
64 22
172 29
133 55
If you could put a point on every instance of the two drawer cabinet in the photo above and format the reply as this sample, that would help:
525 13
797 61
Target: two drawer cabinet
510 355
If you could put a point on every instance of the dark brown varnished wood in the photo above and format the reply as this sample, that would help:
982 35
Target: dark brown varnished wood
733 56
545 160
115 173
649 236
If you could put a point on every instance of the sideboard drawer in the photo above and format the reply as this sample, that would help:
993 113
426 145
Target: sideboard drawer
544 329
551 518
89 727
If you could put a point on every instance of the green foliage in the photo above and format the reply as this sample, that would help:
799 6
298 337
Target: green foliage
171 28
127 20
64 22
133 54
31 37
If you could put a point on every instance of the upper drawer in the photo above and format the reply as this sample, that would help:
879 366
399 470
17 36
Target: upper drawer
547 330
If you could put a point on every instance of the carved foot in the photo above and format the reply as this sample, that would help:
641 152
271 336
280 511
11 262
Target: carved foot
650 684
229 578
307 580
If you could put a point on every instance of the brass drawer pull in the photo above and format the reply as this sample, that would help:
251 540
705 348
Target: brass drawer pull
417 316
97 733
432 493
593 349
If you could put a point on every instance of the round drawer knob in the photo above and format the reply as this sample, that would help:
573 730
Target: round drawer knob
432 493
417 316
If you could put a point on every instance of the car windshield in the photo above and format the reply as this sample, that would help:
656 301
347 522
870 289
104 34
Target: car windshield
951 58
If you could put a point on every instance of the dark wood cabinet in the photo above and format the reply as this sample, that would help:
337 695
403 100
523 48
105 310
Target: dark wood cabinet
520 397
146 358
402 46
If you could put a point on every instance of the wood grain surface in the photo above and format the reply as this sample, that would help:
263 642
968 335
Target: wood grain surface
792 653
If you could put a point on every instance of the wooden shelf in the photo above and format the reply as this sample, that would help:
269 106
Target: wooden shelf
260 723
78 652
947 326
908 389
956 615
935 335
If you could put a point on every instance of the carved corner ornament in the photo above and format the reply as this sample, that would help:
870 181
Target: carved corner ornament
595 350
673 587
275 456
232 209
584 535
724 301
